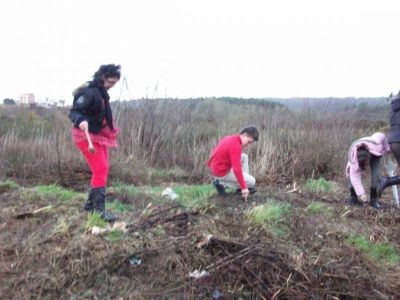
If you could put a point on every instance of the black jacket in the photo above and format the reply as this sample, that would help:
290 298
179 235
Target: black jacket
89 105
394 134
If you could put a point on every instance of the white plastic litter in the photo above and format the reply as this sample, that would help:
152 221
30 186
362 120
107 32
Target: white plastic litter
196 274
169 193
116 226
120 226
98 230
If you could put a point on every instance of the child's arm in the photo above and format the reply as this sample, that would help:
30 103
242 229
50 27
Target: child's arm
235 157
355 178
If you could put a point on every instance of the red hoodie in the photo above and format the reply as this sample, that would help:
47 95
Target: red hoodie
227 155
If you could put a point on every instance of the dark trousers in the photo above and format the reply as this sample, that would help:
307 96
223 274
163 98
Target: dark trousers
395 148
375 165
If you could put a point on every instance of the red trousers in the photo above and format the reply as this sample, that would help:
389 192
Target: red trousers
98 163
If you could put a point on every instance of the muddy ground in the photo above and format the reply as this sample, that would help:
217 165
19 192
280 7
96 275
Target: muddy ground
304 255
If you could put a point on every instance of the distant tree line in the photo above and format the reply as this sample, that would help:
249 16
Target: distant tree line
9 101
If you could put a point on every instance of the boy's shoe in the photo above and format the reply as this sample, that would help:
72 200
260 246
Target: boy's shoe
219 187
251 191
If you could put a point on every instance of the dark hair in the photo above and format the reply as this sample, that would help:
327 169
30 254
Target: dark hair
250 130
363 156
108 71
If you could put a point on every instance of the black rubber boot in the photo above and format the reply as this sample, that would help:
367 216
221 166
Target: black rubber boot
219 187
353 200
88 205
387 181
99 199
373 199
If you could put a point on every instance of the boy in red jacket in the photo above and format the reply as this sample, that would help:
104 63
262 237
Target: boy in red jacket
229 166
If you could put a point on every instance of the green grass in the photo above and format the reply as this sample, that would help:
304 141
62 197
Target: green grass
115 236
8 185
62 227
159 230
94 219
125 189
165 174
118 207
86 295
195 196
135 191
318 185
154 192
31 195
271 215
319 207
383 253
58 192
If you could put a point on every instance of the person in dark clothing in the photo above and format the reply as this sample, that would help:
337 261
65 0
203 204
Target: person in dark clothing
394 141
91 112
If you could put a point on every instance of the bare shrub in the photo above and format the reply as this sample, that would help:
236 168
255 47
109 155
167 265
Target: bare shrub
35 144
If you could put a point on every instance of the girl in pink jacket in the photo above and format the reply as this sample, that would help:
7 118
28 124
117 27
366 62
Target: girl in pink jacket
363 151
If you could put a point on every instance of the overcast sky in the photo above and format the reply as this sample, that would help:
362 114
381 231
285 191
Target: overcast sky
285 48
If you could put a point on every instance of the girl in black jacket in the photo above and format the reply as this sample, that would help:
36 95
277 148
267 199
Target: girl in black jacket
91 112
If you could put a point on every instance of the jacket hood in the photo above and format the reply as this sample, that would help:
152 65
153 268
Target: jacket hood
80 88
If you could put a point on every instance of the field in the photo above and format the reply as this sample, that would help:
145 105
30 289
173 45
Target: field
294 239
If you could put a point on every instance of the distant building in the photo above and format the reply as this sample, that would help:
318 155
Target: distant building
26 100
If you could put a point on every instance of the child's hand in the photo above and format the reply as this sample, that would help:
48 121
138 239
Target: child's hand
84 126
245 194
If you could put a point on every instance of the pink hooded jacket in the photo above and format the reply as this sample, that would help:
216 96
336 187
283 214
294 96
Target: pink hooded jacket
376 144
